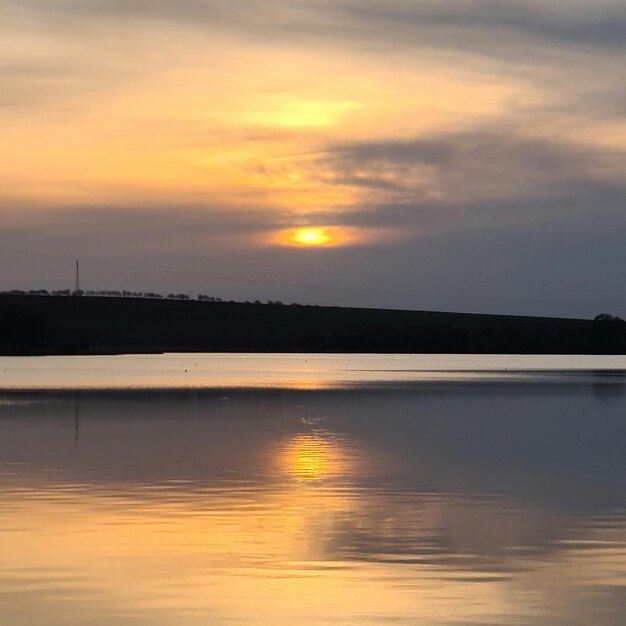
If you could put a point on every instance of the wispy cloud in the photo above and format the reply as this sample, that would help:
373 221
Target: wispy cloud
474 164
476 24
170 127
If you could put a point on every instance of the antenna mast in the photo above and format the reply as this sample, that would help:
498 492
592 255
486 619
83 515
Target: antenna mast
77 290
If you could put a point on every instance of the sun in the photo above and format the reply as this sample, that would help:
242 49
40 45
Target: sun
317 236
311 237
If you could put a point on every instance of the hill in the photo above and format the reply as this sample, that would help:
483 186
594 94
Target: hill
101 325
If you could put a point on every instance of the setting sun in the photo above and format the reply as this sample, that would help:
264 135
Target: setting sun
311 237
325 236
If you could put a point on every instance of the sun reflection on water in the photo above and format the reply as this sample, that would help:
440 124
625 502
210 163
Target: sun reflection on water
315 457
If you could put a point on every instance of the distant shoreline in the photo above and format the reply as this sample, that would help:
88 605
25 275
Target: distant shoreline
32 325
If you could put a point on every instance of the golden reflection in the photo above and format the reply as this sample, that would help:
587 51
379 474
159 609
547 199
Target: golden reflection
310 384
149 552
314 457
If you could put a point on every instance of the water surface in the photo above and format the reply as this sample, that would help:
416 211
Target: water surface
313 490
299 371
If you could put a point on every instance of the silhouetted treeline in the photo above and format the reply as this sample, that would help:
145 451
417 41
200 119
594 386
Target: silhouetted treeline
122 294
609 334
40 324
102 293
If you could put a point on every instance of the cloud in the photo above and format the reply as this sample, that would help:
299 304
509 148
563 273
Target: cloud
572 52
482 164
478 25
481 24
51 87
158 110
137 223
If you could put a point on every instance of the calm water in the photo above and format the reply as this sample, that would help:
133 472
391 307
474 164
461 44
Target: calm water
313 490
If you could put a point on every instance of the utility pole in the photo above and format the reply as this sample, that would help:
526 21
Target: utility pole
77 290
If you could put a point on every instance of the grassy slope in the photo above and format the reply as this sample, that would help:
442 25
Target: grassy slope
101 325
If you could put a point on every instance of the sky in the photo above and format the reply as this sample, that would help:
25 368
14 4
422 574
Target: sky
460 155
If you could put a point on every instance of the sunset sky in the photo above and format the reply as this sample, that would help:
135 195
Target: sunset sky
465 155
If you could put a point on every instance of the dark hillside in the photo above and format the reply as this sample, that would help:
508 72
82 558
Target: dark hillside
100 325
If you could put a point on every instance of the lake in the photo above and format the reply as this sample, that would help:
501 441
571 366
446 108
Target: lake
310 490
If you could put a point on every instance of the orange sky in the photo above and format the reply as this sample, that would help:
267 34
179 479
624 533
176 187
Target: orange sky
393 123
